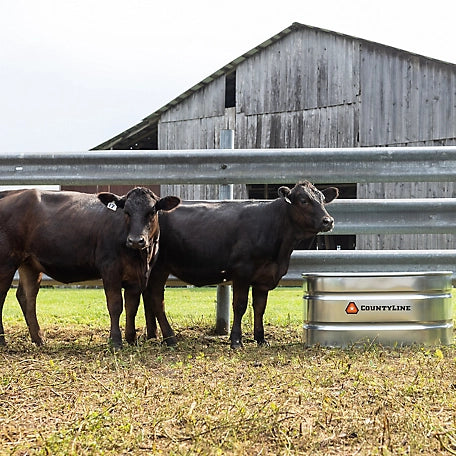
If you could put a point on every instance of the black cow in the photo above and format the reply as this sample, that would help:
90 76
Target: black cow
74 237
246 242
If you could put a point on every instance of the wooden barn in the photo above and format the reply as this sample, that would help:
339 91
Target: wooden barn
309 87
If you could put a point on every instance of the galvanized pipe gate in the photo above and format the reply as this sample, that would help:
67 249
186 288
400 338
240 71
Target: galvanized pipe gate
239 166
227 166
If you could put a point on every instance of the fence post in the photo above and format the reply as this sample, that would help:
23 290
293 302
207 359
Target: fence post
224 291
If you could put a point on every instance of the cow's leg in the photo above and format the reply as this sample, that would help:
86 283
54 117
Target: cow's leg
6 278
27 290
154 308
151 321
260 297
2 331
114 302
132 295
240 299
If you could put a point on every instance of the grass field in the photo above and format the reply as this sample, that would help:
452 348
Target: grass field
75 397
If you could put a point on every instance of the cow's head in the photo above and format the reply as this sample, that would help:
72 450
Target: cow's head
306 206
140 207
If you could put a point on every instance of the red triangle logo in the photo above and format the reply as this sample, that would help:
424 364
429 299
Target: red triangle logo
351 308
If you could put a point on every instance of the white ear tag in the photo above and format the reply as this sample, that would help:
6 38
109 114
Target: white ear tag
112 205
287 200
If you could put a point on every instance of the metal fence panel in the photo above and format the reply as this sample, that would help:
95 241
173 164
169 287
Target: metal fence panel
320 261
214 166
394 216
360 165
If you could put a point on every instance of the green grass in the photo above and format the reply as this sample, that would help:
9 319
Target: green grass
184 306
75 397
61 305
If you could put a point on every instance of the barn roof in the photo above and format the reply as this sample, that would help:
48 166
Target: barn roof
148 125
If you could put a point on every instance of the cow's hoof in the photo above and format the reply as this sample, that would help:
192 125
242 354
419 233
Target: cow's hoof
115 346
170 341
131 339
263 343
236 344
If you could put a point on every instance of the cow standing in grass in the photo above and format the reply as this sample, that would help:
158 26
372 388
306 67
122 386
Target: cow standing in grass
73 237
246 242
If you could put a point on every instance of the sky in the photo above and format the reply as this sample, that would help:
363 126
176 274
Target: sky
73 74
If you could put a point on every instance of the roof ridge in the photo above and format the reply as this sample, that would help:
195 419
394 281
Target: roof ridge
146 121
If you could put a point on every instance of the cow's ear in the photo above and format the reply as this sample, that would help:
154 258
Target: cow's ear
284 192
167 203
330 193
111 201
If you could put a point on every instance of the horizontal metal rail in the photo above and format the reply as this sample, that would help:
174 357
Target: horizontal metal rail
320 261
394 216
215 166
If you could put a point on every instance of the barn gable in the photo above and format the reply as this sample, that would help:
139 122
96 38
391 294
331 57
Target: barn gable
309 87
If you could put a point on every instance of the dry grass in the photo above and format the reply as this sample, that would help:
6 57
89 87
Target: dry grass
74 397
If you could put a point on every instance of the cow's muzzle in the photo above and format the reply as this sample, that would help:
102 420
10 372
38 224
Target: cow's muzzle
327 224
138 243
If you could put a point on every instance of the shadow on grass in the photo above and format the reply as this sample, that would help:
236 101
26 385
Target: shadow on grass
86 344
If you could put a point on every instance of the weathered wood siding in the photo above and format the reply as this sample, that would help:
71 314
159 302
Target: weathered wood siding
314 88
406 99
304 70
207 102
196 133
333 126
300 92
408 190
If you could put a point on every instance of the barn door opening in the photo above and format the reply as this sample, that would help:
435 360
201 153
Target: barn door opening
230 90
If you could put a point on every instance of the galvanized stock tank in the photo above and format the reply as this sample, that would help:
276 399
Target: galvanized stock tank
391 309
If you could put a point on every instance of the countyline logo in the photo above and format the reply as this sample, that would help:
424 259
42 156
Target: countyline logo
353 309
